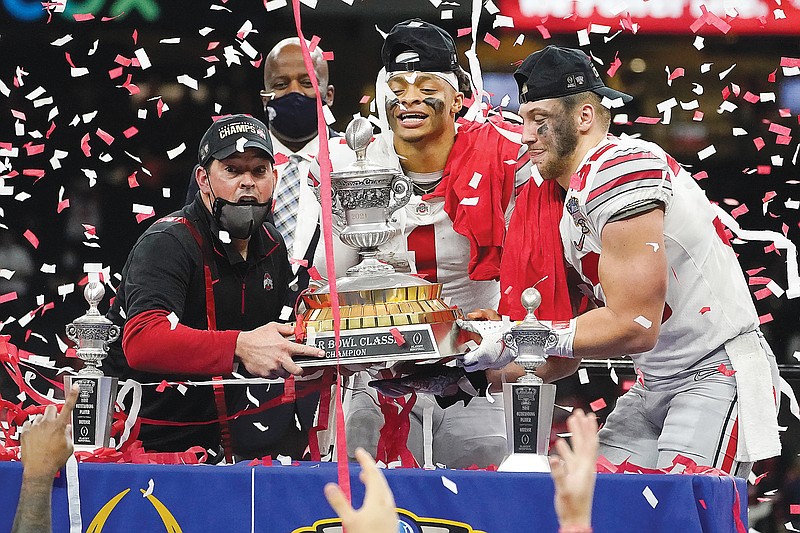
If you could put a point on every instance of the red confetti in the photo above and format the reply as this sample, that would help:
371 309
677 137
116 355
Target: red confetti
491 40
598 404
759 142
301 262
703 504
160 107
85 148
105 136
8 297
612 69
122 60
33 239
790 62
794 508
63 204
130 132
463 31
161 387
18 114
398 337
544 31
115 73
759 478
739 211
508 290
311 46
365 99
281 158
700 175
299 329
763 319
783 139
705 310
141 217
750 97
779 129
33 149
698 116
758 280
762 293
647 120
135 36
327 56
314 274
677 73
724 370
34 172
132 182
763 170
50 130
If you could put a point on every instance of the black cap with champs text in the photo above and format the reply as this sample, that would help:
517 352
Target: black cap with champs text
231 134
434 49
554 72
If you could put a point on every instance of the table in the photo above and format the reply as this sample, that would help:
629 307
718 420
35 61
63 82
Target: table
289 499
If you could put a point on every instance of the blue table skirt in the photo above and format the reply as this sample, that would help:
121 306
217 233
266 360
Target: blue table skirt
289 499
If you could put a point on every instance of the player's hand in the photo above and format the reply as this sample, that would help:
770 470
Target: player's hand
266 352
378 514
574 470
484 314
46 442
492 351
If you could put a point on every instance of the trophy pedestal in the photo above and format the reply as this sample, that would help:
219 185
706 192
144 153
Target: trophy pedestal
529 418
91 418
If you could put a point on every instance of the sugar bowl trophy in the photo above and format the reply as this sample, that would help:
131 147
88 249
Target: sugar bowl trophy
385 316
92 334
528 402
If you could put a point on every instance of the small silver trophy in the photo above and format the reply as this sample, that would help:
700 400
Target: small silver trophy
92 334
529 401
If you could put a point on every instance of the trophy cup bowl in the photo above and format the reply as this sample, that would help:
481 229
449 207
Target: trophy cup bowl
528 402
92 334
385 316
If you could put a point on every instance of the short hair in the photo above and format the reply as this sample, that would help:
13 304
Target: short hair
572 101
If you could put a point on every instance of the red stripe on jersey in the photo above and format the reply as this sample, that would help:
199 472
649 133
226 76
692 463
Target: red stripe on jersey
578 180
589 263
730 450
422 241
624 158
650 173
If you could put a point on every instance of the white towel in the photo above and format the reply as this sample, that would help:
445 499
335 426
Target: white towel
758 416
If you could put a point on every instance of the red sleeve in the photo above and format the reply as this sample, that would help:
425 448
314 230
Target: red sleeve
151 345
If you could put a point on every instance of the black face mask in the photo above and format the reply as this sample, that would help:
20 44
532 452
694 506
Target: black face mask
240 220
293 117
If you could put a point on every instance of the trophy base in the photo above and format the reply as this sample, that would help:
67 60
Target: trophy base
92 416
413 342
525 462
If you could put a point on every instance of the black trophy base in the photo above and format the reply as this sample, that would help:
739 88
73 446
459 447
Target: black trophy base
529 418
92 416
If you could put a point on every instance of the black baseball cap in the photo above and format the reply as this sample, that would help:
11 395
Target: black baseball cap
554 72
221 140
435 49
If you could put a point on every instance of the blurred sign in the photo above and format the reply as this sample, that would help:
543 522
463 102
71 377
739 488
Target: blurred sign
706 17
31 10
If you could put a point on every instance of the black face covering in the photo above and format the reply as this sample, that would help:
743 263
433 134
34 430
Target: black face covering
240 220
293 116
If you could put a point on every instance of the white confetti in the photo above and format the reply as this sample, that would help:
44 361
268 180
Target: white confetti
61 41
706 152
248 49
224 236
175 152
583 38
502 21
446 14
6 273
520 40
469 201
149 491
141 209
173 320
583 376
705 67
699 42
240 144
180 387
613 376
261 427
654 245
642 321
272 5
251 398
450 485
185 79
775 288
171 40
285 460
650 497
286 312
476 179
144 61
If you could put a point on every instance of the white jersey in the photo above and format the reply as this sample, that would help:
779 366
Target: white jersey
425 242
707 300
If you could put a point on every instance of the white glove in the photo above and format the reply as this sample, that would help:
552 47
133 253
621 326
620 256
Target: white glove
492 351
561 343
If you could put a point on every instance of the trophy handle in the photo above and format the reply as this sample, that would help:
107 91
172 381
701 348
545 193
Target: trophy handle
113 334
401 193
511 344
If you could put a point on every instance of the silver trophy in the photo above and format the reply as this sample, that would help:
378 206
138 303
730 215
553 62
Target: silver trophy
366 196
92 334
385 315
529 401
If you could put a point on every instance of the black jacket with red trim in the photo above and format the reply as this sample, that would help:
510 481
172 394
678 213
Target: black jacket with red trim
162 303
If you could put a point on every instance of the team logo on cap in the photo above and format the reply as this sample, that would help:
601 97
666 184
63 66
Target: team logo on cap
575 80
